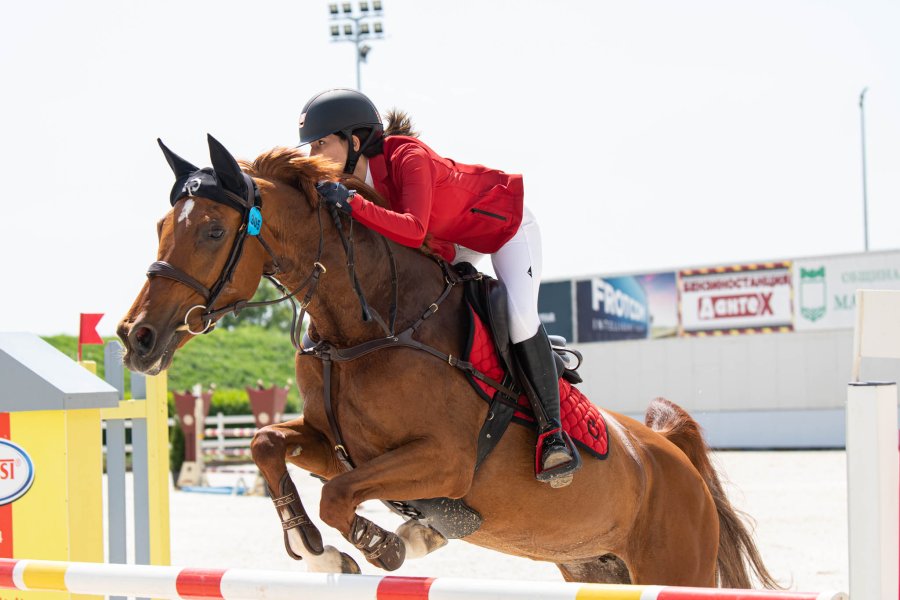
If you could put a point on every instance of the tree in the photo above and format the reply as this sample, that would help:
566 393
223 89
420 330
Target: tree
274 316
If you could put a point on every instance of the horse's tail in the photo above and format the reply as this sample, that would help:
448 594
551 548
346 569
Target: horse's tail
738 554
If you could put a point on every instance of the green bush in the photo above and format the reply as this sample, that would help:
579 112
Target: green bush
233 359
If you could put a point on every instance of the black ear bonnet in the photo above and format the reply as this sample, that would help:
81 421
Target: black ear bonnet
224 182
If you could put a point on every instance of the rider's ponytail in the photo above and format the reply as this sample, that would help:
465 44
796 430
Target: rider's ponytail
398 123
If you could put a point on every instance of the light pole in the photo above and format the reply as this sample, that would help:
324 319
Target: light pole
357 26
862 124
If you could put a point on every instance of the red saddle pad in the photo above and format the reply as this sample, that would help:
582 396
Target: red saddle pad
580 418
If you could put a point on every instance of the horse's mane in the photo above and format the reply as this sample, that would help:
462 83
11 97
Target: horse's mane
292 167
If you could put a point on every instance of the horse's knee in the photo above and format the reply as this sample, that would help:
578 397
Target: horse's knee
267 444
337 507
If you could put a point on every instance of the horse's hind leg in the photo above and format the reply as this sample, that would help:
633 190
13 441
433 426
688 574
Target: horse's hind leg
608 568
309 450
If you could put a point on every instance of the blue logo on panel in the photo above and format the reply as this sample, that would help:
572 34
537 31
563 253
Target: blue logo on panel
612 308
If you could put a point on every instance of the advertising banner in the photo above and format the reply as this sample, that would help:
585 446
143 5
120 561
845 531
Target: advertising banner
662 300
737 299
555 308
826 287
626 308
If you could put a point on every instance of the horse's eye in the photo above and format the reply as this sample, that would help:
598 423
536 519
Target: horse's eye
216 233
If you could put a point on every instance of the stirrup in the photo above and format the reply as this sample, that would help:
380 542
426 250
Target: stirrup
560 475
309 533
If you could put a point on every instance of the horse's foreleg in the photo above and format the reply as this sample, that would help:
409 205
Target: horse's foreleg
308 449
420 469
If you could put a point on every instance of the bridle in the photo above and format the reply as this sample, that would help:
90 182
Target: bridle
250 207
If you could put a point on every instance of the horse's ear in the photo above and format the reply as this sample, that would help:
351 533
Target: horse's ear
226 167
179 166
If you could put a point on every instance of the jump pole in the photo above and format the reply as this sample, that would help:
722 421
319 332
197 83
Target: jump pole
239 584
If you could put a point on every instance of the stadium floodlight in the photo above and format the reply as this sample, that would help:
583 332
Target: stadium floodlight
357 27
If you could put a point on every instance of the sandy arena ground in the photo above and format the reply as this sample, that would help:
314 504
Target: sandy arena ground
798 500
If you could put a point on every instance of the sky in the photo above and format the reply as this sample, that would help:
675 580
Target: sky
651 134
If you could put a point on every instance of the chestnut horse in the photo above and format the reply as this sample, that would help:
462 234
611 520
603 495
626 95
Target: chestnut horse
652 512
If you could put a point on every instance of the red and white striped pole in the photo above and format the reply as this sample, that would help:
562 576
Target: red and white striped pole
239 584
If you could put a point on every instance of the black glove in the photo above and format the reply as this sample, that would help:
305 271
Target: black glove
336 194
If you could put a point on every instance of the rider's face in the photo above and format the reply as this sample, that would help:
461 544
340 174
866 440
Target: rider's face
331 146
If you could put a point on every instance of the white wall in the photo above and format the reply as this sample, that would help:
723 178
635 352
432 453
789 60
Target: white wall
747 391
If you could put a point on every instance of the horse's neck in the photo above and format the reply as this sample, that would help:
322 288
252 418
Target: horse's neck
335 308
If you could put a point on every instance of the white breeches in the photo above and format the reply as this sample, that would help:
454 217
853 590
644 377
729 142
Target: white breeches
518 265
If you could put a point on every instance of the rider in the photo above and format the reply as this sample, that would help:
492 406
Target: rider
466 210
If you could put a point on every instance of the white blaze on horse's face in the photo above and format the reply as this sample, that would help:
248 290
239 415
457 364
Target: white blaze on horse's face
186 211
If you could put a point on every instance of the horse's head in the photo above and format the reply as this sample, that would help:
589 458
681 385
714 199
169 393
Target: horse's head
205 261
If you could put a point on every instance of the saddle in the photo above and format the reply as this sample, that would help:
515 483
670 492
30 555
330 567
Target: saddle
487 297
487 300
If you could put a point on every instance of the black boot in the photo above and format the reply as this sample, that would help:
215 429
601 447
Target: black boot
556 457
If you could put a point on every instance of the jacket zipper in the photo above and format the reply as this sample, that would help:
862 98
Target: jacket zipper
487 214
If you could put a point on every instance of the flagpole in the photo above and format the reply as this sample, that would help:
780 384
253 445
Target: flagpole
862 129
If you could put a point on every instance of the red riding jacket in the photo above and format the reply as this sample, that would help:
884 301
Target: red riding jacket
469 205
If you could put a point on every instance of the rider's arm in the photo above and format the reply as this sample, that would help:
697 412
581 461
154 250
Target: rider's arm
406 222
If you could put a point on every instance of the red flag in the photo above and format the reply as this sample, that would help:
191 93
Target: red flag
88 330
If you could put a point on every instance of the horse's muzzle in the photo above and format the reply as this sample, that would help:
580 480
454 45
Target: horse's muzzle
145 350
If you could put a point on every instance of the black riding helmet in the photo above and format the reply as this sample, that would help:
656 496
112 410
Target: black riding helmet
341 111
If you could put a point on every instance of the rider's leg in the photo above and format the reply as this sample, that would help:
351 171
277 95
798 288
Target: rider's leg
518 266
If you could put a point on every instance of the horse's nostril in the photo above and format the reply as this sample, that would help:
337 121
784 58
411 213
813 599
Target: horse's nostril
144 339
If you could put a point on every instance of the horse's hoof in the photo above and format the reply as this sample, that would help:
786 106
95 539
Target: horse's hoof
420 539
348 565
